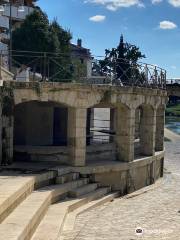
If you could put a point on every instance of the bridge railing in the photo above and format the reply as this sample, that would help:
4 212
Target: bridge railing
57 67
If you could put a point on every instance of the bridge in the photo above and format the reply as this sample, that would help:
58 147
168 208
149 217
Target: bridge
173 89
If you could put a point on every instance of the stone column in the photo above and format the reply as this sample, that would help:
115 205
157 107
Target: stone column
160 122
125 131
147 131
77 136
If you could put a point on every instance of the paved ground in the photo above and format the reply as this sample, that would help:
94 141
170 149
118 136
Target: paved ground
157 211
171 135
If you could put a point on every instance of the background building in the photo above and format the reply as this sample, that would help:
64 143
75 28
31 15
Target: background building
19 10
81 57
12 14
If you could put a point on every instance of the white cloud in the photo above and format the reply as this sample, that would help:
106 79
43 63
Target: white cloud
97 18
174 3
113 5
173 67
167 25
156 1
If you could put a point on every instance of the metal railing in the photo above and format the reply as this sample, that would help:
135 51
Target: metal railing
124 72
173 81
56 67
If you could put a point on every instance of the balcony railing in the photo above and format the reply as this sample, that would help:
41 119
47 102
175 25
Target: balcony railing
43 66
16 15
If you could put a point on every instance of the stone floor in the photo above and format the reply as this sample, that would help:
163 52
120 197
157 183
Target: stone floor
156 212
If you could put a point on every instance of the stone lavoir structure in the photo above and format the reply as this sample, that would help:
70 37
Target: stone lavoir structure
53 122
68 147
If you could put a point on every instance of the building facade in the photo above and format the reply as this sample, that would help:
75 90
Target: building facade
14 13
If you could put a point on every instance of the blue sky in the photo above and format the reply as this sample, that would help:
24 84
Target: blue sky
153 25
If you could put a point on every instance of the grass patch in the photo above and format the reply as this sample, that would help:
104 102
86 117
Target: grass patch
173 110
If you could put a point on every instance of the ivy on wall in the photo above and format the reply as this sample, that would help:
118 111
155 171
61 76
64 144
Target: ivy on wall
7 101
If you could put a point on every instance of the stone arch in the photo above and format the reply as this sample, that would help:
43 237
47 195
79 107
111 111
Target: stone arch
101 121
38 126
129 100
78 98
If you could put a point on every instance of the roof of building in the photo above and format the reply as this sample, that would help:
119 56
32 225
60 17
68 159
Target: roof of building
78 50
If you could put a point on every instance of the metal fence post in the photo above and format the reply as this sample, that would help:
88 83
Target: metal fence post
165 76
156 76
162 79
146 74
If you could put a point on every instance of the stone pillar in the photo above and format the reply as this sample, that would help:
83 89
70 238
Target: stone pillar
7 139
77 136
160 122
125 131
147 131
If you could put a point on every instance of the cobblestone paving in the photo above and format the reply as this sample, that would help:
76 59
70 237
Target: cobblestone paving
157 211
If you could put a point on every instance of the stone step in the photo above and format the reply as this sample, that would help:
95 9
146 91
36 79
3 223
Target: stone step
83 190
14 188
88 197
67 178
104 198
52 224
62 170
23 221
45 179
60 189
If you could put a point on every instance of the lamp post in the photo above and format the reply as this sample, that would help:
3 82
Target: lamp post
2 9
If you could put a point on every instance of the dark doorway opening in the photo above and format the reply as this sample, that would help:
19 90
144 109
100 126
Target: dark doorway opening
60 126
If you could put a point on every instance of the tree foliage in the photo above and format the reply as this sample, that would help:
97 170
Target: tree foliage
119 61
37 34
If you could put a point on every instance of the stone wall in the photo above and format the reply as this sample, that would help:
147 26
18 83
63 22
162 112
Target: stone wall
5 75
7 140
128 177
35 124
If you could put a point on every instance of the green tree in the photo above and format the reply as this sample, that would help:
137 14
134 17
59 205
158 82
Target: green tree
37 34
61 65
64 36
119 61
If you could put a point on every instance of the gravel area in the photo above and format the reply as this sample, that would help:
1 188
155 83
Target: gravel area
156 212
